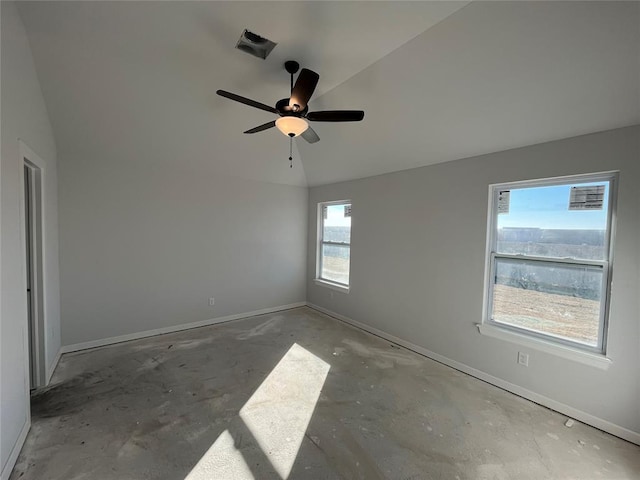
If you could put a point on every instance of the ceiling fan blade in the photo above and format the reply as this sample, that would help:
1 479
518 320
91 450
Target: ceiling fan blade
264 126
246 101
336 116
310 135
303 89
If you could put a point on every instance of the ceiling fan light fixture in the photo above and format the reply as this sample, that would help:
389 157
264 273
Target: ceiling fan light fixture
291 125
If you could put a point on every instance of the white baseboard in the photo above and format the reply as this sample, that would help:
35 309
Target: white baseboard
15 451
604 425
174 328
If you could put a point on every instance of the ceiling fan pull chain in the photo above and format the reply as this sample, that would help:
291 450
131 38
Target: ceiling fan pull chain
290 152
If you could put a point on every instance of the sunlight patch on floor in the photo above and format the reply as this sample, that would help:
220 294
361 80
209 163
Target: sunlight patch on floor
276 416
280 410
222 460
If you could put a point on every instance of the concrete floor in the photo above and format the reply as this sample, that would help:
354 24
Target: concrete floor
295 394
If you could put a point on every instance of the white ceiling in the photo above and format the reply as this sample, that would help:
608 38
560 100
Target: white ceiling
438 80
490 77
139 78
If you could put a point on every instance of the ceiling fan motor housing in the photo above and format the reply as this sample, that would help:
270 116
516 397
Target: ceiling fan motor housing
284 109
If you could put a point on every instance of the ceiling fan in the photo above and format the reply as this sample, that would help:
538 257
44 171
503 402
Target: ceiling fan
293 111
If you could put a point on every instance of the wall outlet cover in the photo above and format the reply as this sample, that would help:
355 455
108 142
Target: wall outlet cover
523 359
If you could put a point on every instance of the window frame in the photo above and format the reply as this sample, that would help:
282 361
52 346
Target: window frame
319 280
492 258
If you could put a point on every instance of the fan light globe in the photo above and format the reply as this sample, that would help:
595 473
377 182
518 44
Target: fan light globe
291 125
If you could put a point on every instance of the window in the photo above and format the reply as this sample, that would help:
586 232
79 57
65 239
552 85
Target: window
549 259
334 246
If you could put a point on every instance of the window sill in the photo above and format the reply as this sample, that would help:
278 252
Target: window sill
588 358
331 285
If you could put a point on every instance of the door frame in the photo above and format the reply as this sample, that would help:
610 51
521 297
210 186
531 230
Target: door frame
34 343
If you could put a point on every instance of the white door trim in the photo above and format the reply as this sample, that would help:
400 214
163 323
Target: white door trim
27 157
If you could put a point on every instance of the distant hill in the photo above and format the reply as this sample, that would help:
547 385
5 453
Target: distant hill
544 235
561 243
574 281
337 234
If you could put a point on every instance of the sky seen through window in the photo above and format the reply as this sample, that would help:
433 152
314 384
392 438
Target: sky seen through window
548 207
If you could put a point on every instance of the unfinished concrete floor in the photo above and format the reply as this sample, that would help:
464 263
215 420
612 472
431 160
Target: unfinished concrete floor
295 394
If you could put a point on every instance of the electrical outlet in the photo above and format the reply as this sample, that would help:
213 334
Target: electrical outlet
212 301
523 359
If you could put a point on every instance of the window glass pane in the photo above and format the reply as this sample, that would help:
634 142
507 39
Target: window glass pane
562 221
558 300
335 263
337 224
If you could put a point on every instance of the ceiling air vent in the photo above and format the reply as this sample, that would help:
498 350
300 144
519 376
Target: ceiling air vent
255 44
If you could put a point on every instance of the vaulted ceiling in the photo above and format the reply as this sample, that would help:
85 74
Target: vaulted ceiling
438 80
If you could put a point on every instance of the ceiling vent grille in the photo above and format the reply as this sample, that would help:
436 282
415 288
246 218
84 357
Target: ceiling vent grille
255 45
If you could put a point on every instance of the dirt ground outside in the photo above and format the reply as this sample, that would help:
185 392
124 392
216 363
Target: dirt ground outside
336 269
565 316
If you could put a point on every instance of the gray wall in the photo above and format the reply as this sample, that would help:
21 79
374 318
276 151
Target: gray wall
24 117
144 247
418 258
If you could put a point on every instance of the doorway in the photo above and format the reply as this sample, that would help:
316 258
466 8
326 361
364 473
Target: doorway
34 271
